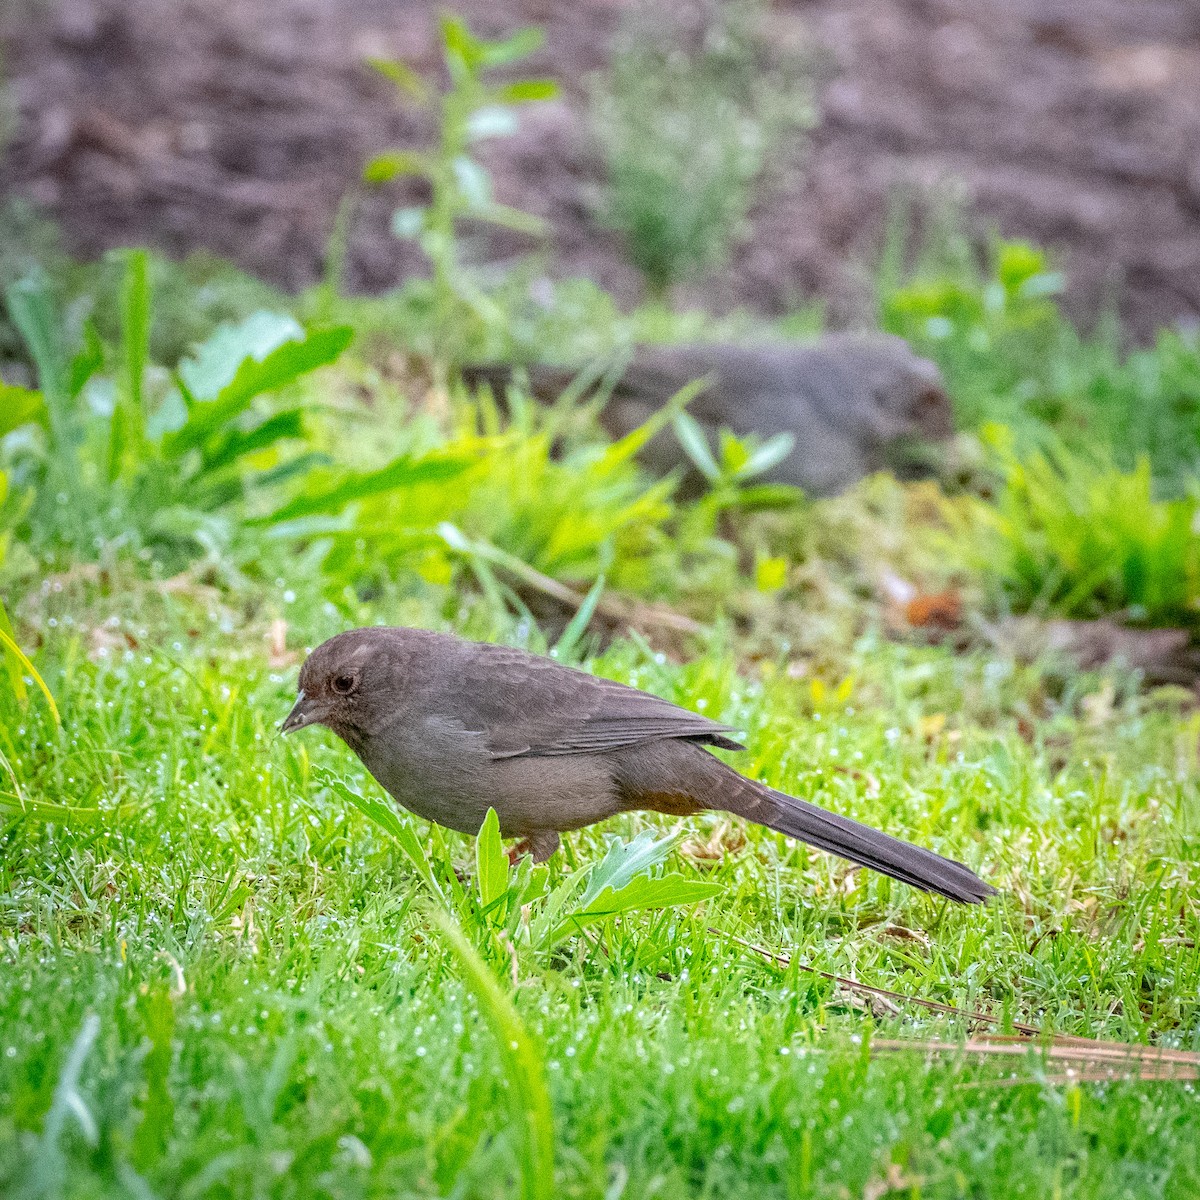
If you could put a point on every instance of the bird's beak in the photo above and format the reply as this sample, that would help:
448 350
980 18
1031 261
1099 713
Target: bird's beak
302 714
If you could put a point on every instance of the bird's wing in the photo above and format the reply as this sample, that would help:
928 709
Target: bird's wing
526 705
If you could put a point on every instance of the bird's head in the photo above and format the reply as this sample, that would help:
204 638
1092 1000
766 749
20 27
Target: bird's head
339 681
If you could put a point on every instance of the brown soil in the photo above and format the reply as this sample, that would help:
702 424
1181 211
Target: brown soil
236 125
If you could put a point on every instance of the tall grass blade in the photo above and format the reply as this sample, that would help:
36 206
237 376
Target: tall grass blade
522 1062
386 817
14 652
127 429
578 624
48 1167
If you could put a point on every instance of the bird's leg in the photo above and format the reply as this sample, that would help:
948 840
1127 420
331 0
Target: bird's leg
540 845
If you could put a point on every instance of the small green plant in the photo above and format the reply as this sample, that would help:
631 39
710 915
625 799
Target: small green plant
8 109
470 111
527 906
120 452
690 122
1073 534
989 329
730 471
495 494
1009 354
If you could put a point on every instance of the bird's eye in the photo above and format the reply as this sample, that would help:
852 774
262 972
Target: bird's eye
343 684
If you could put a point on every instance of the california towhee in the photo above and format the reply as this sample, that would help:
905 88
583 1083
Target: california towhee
451 728
850 400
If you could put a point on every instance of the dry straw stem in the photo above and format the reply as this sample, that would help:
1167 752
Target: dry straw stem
1088 1059
865 989
617 609
1085 1060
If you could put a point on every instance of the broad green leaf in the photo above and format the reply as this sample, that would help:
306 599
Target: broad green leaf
463 52
394 163
734 451
526 90
214 364
35 314
491 863
510 49
666 891
388 819
524 1070
357 485
19 406
546 917
619 883
769 495
280 367
238 443
624 860
695 445
770 454
87 361
402 75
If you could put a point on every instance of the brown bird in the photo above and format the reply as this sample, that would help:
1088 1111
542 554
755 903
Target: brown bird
451 728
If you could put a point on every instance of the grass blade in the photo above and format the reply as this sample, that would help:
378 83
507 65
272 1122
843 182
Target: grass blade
522 1062
127 429
18 406
47 1168
386 817
32 310
578 624
13 651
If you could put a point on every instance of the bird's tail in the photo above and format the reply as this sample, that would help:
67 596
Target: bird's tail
851 840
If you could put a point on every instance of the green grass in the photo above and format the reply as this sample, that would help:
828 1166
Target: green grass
221 980
994 325
1074 534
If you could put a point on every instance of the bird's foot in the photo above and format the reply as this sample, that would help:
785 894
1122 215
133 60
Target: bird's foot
540 845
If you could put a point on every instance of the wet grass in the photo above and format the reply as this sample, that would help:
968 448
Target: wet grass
218 980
